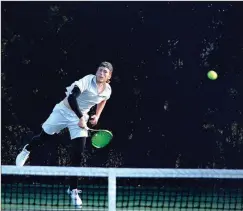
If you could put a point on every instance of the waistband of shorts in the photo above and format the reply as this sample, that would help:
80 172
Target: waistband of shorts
64 107
70 111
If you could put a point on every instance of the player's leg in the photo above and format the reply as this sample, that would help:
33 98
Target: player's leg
35 141
38 139
77 150
78 141
76 155
54 124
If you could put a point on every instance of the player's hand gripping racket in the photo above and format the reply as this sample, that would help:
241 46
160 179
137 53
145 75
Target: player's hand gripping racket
100 138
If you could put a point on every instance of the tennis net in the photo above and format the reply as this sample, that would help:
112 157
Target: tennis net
115 189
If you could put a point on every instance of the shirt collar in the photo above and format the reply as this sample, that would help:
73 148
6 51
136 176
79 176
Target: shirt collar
107 86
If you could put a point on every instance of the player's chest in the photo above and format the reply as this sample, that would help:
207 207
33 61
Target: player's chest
93 95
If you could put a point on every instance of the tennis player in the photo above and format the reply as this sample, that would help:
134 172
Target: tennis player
72 113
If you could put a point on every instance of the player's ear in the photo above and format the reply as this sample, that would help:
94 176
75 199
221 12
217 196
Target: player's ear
109 77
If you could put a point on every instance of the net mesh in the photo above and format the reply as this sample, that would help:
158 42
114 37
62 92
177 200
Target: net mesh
28 192
180 194
45 188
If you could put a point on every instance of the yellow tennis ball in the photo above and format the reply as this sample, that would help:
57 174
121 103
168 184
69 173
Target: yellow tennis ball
212 75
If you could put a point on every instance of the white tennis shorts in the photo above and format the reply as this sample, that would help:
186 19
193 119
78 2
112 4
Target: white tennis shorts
62 117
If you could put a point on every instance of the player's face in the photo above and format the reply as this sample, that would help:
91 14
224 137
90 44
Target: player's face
103 74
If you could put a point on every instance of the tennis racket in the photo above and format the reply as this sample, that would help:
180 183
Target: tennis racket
100 138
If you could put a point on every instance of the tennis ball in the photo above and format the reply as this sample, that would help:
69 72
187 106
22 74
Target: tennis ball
212 75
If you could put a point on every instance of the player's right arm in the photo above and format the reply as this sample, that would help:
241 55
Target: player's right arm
78 88
72 100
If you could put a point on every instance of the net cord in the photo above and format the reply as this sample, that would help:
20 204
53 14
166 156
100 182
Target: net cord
123 172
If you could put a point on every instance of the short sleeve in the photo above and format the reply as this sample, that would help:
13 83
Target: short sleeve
82 84
108 92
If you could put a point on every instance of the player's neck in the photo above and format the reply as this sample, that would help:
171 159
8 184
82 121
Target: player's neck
100 87
100 84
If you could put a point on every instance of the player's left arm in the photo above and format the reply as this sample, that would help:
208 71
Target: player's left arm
100 108
95 118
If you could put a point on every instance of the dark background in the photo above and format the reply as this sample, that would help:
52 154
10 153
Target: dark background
164 111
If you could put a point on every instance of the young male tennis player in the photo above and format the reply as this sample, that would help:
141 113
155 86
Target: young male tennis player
72 113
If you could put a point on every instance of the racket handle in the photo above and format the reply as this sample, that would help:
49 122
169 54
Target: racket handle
87 128
94 130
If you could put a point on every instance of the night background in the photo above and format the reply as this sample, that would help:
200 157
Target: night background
164 112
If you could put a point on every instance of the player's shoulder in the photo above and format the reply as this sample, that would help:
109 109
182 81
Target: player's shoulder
108 89
108 86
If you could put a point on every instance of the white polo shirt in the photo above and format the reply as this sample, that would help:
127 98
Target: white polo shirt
89 93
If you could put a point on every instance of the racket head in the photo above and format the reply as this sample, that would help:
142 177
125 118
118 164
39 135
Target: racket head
101 138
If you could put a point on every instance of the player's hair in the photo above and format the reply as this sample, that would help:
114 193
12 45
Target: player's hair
109 66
